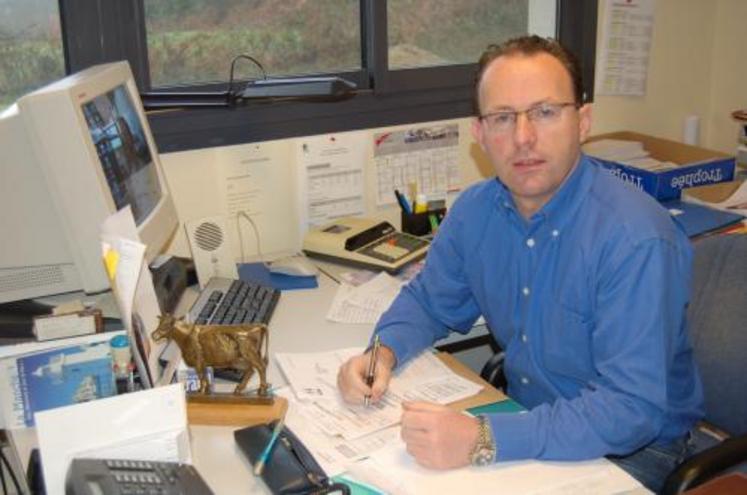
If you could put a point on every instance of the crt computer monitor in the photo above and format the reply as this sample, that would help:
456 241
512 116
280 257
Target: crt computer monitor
74 152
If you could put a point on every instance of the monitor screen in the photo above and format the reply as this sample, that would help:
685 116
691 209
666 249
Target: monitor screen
123 151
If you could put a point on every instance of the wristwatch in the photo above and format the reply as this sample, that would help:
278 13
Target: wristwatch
484 452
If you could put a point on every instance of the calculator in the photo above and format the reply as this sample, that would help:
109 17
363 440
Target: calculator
365 243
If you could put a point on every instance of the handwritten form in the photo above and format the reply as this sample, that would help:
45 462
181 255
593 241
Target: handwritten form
626 44
338 433
426 156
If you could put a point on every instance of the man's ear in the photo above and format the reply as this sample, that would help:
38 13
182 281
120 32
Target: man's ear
478 132
584 122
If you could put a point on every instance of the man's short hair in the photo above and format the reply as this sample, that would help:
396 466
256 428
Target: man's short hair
528 46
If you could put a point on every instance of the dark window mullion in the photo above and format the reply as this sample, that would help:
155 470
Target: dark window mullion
376 45
99 31
576 29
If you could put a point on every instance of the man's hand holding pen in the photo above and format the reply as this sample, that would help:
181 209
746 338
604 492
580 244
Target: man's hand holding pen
353 376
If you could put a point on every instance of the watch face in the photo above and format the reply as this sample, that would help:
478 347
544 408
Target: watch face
483 456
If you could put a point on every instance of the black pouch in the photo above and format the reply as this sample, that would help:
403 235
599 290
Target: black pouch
290 468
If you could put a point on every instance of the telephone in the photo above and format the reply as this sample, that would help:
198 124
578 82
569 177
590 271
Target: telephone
121 477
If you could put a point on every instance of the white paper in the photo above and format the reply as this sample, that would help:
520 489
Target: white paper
625 47
426 156
334 454
134 291
313 376
256 180
343 311
424 378
365 302
151 425
330 175
401 475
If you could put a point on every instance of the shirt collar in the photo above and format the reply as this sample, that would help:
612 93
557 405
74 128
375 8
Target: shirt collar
566 200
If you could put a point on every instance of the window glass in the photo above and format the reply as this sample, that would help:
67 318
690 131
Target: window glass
194 41
30 47
426 33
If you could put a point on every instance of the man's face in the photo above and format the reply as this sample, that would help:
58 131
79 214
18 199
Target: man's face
534 155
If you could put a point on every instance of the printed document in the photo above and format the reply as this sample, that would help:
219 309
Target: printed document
424 378
366 302
330 177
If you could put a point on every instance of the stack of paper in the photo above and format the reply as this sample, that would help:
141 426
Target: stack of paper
338 433
629 153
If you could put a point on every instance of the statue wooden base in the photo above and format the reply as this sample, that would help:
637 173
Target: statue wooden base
233 412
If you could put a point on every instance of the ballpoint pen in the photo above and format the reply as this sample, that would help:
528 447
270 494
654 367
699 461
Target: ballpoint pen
260 465
371 369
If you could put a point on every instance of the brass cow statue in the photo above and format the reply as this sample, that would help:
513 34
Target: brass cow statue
243 347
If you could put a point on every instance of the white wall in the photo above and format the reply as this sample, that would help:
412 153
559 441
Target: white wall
697 67
728 90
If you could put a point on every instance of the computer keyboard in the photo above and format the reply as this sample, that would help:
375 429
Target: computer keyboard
224 301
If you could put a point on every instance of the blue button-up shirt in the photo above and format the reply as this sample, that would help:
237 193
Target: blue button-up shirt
587 298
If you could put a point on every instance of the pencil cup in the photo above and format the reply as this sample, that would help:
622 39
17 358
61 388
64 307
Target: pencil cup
421 224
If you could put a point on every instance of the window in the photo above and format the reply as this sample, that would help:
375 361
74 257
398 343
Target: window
447 32
413 60
30 47
195 41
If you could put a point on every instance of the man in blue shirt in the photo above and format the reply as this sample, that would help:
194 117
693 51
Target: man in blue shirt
582 279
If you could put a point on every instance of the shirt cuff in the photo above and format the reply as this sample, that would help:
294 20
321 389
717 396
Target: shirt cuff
514 435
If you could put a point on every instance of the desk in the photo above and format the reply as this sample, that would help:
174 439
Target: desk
298 325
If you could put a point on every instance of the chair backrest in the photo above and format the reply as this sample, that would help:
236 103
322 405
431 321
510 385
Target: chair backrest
718 328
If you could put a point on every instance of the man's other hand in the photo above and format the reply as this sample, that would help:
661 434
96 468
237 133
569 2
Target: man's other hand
436 436
351 378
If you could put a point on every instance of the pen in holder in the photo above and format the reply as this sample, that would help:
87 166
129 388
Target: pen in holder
421 224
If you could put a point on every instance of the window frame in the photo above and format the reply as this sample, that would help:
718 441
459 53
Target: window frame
98 31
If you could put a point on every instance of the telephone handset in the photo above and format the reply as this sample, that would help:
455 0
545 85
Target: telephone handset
123 477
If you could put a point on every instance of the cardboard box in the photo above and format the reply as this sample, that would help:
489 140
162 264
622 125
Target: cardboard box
695 166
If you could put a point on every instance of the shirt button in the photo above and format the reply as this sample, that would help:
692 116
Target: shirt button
555 233
530 242
525 291
524 380
523 337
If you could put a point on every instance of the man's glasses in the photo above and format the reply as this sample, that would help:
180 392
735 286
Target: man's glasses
542 114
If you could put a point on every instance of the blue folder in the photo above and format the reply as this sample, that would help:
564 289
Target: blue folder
259 273
698 219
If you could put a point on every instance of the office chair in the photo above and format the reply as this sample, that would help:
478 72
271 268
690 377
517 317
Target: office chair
717 316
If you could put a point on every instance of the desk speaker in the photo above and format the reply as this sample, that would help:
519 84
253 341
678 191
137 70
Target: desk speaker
211 252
